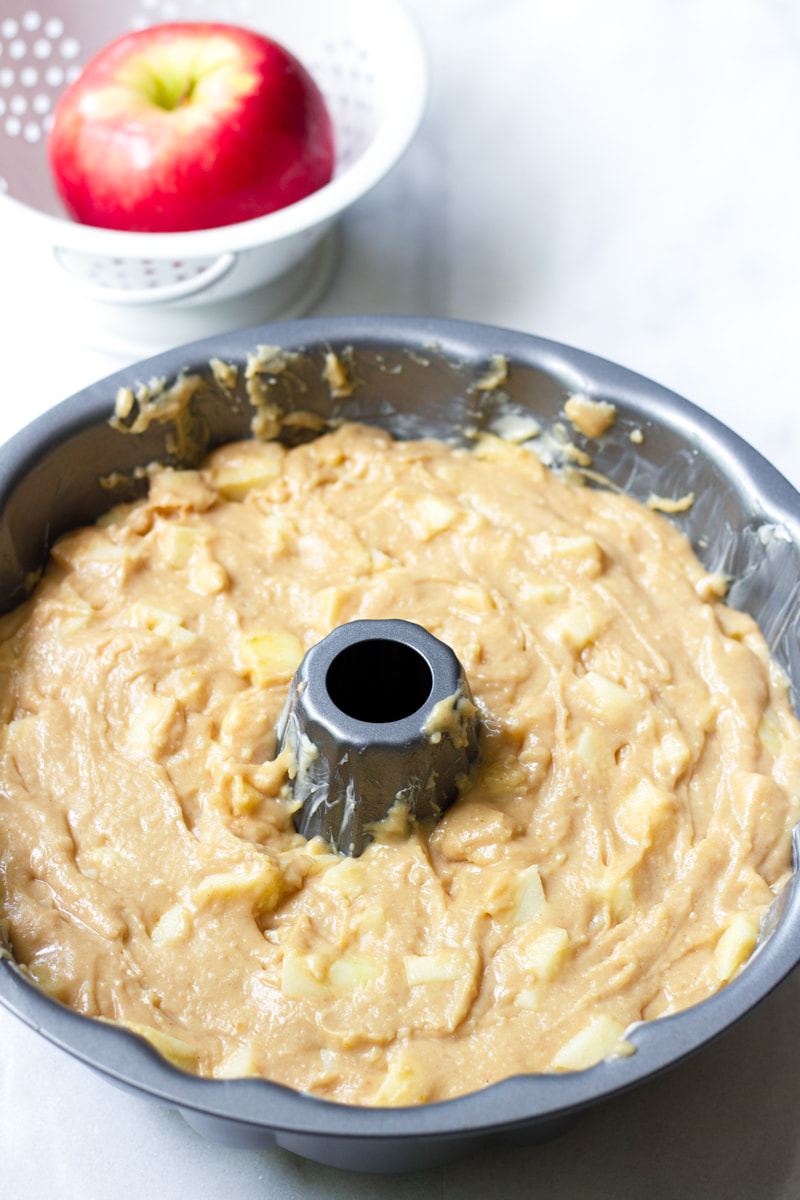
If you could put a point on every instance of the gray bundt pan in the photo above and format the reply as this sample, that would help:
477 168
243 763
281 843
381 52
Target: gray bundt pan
414 377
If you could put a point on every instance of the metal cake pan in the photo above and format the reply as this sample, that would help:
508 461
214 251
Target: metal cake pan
415 377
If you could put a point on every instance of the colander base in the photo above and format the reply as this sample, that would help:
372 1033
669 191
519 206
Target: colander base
135 331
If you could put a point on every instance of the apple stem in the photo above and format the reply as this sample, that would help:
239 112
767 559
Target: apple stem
168 97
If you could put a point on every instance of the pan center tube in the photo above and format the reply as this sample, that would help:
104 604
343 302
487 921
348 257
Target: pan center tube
378 714
379 680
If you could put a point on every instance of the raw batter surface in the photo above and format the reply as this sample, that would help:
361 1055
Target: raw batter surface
628 825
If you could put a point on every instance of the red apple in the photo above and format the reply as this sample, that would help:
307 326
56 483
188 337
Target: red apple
189 126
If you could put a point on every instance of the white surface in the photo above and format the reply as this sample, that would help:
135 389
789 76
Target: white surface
622 177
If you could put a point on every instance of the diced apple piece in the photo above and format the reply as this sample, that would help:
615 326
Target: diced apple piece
492 448
298 979
430 515
236 474
599 1038
208 578
379 560
16 731
55 986
576 628
591 748
350 972
475 597
530 897
178 1052
622 898
328 453
330 1059
168 625
513 427
95 547
583 553
180 638
180 490
496 449
102 551
101 860
606 699
372 920
239 1064
261 887
503 777
72 624
643 811
531 998
468 830
173 926
347 877
86 546
280 534
149 725
544 593
617 891
272 656
673 753
329 603
402 1085
514 896
178 544
74 615
544 954
736 944
244 797
769 731
443 966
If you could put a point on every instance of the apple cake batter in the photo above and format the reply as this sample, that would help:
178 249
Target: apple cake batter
627 826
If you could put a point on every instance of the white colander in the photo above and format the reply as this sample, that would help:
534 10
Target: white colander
364 54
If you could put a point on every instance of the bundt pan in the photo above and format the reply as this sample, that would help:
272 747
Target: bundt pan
414 377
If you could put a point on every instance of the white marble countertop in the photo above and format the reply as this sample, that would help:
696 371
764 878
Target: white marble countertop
622 177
